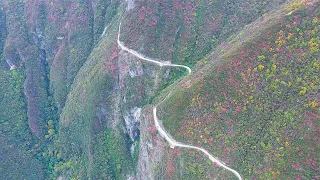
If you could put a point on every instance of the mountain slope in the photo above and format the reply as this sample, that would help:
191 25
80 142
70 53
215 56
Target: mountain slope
257 108
74 105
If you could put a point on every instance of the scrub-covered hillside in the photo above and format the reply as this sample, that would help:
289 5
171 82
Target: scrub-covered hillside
257 106
76 105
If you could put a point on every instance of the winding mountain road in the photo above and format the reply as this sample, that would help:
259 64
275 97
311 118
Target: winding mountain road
173 143
141 56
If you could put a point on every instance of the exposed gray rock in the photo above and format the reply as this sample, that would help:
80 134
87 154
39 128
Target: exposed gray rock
130 4
151 149
132 121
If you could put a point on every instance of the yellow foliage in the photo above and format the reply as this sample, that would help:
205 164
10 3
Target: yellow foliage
267 71
313 45
275 56
295 5
280 33
193 99
279 155
68 164
287 143
303 91
261 66
316 65
275 172
314 31
289 36
314 104
280 42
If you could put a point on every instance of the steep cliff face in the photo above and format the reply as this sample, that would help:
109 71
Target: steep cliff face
80 107
125 85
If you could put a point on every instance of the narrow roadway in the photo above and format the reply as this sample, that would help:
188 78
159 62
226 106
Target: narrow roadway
160 129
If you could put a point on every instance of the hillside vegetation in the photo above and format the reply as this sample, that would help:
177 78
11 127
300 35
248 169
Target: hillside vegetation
73 105
257 109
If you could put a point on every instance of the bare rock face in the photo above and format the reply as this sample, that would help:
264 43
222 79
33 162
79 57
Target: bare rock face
151 147
132 122
130 4
138 81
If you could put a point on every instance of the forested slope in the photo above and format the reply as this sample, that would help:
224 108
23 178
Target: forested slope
257 105
73 105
